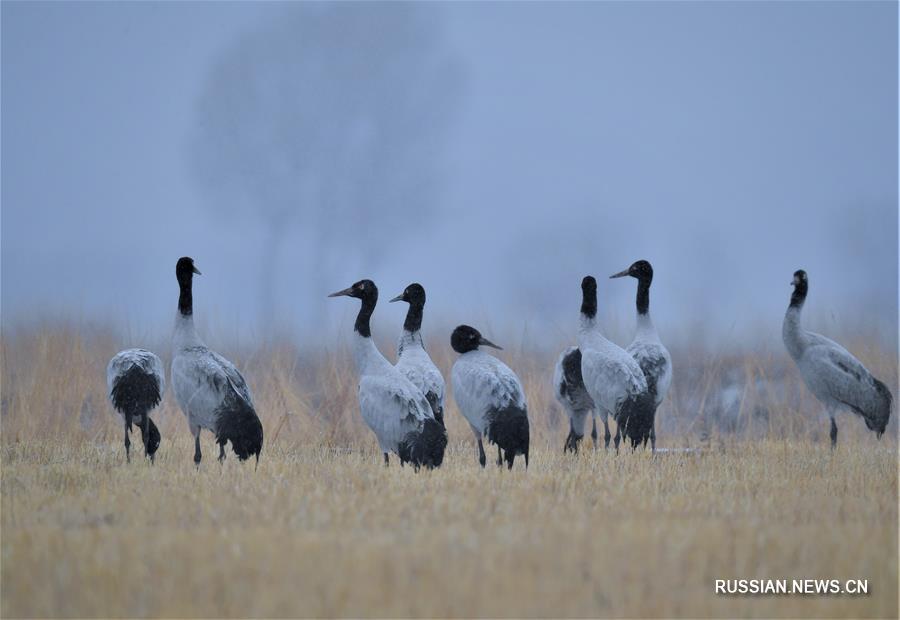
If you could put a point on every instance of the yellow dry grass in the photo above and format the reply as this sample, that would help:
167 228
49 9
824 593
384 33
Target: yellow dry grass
321 528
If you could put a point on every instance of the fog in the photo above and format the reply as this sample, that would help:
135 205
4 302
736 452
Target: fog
494 152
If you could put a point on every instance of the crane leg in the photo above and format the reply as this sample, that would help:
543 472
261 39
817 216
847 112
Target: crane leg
499 457
482 458
617 438
653 438
221 452
127 446
145 436
574 438
571 445
594 431
833 433
387 461
197 455
606 434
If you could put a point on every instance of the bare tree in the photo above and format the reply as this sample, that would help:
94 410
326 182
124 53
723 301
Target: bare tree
331 118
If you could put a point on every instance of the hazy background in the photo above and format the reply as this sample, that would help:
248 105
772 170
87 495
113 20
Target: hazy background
494 152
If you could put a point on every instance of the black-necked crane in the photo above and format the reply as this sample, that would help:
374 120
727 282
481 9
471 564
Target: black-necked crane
831 373
568 387
646 348
136 382
611 376
211 392
413 360
395 409
490 397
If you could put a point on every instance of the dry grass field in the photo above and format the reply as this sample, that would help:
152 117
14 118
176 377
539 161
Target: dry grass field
321 528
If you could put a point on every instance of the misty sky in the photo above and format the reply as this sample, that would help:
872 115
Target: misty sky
728 143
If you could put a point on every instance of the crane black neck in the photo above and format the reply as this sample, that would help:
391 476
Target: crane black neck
365 313
589 302
185 297
413 322
799 294
643 296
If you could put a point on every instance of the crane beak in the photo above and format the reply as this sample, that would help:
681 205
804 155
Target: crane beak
348 292
397 298
197 271
487 343
621 274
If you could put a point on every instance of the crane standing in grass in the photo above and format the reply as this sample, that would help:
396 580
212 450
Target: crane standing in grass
136 382
831 373
569 389
413 361
209 389
612 377
395 409
490 397
647 349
